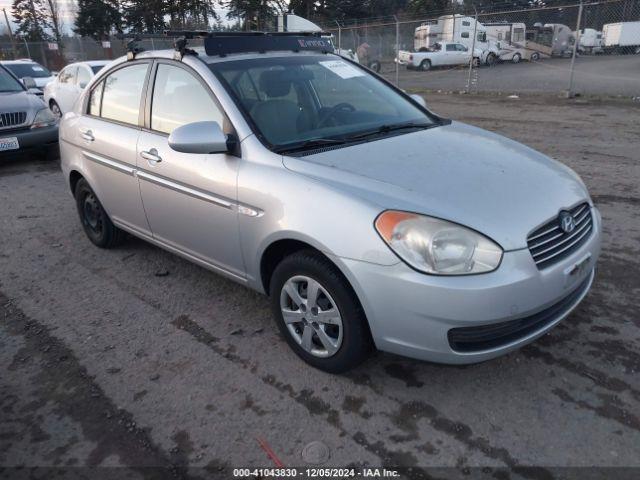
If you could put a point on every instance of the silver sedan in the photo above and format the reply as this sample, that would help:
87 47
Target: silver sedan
367 219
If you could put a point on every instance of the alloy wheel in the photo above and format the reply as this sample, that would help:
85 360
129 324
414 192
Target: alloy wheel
311 316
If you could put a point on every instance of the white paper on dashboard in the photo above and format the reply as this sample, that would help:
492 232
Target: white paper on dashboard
342 69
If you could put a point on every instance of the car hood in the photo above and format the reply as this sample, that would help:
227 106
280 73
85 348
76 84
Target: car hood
19 102
457 172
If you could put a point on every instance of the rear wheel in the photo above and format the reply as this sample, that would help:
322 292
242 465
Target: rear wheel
491 59
516 58
425 65
318 313
96 223
535 57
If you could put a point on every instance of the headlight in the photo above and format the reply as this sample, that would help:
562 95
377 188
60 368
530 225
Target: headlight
44 118
436 246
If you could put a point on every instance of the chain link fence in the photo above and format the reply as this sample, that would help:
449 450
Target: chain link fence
589 48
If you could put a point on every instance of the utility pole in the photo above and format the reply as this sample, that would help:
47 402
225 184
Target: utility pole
397 50
575 51
473 49
13 43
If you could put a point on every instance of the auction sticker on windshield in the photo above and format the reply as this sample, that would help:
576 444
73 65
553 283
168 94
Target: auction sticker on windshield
342 69
9 143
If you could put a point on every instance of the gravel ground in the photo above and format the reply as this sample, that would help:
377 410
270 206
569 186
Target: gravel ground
602 75
134 357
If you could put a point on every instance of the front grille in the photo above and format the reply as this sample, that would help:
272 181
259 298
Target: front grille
11 119
495 335
550 244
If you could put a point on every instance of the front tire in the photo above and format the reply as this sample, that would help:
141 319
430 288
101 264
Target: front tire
96 223
516 58
491 59
318 313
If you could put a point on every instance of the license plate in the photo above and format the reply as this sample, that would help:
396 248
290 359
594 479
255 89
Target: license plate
577 271
9 143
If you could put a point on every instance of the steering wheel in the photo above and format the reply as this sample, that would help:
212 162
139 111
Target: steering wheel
341 107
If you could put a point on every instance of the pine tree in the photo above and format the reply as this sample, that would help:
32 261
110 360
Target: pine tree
98 18
254 14
32 20
191 13
144 16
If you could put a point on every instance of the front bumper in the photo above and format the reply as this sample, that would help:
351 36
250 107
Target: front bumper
412 314
29 139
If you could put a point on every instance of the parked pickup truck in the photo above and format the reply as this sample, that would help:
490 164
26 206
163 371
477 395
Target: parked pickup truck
441 54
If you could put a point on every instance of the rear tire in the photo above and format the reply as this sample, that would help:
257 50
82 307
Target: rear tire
425 65
516 58
334 345
491 59
535 57
96 223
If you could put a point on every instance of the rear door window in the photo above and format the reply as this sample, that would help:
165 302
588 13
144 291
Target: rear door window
67 75
122 94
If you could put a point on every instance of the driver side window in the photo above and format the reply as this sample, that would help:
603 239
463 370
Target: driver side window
179 98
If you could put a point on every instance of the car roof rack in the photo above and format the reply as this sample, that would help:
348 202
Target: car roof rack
225 43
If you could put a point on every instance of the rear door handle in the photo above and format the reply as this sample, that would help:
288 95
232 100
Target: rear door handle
87 135
151 156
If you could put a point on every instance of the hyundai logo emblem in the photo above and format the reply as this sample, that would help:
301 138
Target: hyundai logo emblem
567 222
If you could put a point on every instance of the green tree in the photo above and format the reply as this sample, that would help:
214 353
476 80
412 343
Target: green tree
429 6
32 20
98 18
254 14
191 13
144 16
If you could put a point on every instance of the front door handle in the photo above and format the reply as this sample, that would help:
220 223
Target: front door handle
151 156
87 135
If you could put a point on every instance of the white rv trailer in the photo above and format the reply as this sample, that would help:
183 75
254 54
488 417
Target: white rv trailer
511 40
455 29
622 37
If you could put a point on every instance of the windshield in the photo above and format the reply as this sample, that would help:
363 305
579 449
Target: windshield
96 68
33 70
307 100
8 83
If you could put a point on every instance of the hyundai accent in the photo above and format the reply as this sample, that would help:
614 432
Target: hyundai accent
367 219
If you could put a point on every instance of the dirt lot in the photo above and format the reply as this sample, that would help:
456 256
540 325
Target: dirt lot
603 75
134 357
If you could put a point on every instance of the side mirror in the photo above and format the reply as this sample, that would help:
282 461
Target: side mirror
199 137
419 99
82 85
29 83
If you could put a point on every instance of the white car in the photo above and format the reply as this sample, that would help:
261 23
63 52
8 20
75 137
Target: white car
26 68
441 54
61 94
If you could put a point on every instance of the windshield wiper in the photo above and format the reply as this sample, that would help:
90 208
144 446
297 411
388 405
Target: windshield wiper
308 144
388 128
